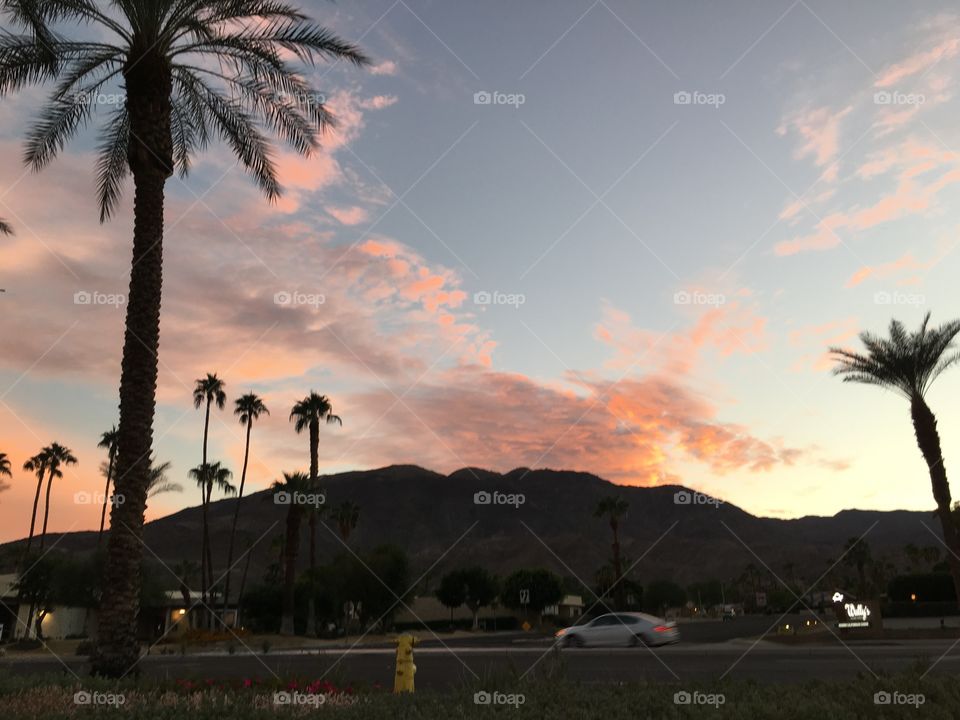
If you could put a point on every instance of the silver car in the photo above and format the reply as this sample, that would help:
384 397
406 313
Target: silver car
627 628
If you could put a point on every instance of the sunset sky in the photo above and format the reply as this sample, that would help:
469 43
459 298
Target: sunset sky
664 276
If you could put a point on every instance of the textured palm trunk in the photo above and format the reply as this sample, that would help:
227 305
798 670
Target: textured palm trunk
204 503
46 509
236 517
928 439
314 481
106 495
26 552
149 154
291 546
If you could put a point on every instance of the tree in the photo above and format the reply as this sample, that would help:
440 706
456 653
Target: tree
346 515
5 227
191 70
159 483
474 587
5 465
36 464
451 592
57 455
247 408
307 414
208 477
541 588
661 594
207 391
108 441
857 556
614 508
291 484
908 363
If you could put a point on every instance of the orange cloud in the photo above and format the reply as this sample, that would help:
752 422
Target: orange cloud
918 62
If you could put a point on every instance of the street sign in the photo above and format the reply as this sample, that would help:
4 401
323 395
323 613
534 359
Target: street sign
525 597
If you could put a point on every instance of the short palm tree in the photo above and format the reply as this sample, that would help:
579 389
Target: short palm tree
206 392
5 465
614 508
57 456
291 484
108 441
346 515
208 477
908 363
191 71
247 408
308 413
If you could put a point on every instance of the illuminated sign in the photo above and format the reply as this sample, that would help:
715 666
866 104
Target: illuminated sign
838 597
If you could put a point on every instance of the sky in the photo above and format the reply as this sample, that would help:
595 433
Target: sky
604 236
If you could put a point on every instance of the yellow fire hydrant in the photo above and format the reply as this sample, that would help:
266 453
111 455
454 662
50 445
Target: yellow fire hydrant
403 680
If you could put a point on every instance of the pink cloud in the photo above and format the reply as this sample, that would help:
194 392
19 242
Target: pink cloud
387 67
348 215
918 62
819 131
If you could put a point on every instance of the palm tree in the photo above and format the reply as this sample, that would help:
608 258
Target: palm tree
57 455
308 413
191 70
614 507
5 465
292 483
38 465
108 440
5 227
908 363
159 483
346 515
207 391
208 477
248 408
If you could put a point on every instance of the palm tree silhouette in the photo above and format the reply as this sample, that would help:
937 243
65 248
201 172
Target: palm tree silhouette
207 391
292 484
615 508
191 71
308 413
209 476
57 455
908 363
247 408
346 515
108 440
36 464
159 483
5 465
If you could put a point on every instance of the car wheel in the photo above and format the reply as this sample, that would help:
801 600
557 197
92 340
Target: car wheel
573 641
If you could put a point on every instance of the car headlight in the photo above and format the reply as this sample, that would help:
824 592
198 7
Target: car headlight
561 632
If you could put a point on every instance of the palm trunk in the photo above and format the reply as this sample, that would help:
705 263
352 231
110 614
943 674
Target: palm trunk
928 439
314 471
204 502
617 570
46 509
148 85
26 552
243 584
106 495
290 570
236 516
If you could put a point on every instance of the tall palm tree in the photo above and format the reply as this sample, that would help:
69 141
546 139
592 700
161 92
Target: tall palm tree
291 484
346 515
36 464
614 507
247 408
108 440
208 477
191 70
57 456
308 413
908 363
207 391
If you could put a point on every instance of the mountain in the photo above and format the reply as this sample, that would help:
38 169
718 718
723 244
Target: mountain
435 519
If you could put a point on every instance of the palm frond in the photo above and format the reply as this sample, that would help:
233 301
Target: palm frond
112 167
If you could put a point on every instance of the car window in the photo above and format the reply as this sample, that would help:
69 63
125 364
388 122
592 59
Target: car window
604 620
627 619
